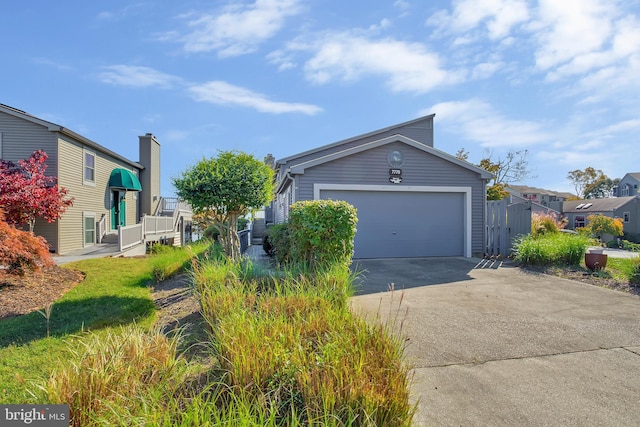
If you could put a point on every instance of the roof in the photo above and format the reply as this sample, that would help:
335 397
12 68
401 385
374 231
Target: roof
300 167
525 189
589 206
68 132
345 141
635 175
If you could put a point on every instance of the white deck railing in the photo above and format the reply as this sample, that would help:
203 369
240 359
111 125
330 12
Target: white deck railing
129 236
155 227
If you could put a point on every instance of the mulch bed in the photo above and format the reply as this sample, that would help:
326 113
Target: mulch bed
33 291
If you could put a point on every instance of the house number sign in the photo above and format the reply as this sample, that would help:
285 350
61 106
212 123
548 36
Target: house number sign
395 159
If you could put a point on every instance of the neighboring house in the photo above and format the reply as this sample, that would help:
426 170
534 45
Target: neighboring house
628 185
412 199
109 190
535 207
625 208
540 196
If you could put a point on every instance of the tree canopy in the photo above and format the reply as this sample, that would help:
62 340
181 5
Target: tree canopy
26 193
586 181
224 188
514 167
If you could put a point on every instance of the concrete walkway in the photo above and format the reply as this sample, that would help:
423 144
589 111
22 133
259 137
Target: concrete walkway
492 345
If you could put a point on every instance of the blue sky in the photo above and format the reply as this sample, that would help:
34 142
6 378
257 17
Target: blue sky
560 79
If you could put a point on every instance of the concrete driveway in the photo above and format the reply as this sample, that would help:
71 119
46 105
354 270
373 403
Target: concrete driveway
494 346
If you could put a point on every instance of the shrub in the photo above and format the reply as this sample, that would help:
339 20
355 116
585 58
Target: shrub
277 242
600 225
22 250
322 231
551 249
545 223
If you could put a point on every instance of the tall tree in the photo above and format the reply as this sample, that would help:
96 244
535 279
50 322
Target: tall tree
514 167
584 179
26 193
601 188
225 188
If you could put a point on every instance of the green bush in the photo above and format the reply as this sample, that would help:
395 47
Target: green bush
278 243
551 249
630 246
322 232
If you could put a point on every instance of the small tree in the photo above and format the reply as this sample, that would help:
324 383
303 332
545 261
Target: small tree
22 250
600 225
514 167
26 193
223 189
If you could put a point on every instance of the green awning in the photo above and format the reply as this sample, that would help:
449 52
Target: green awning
122 178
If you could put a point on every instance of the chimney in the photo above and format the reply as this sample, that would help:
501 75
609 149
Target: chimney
149 197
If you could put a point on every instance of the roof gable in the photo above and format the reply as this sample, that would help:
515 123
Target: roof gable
300 168
426 121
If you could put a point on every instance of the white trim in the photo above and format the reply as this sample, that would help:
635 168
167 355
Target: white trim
318 187
1 146
300 167
85 181
86 215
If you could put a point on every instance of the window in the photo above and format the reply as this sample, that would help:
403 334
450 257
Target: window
624 192
89 228
626 217
578 221
89 168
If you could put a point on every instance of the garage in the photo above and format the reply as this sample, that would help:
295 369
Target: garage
406 224
412 199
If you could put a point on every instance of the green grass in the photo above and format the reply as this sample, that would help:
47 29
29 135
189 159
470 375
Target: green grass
114 292
285 349
551 249
292 350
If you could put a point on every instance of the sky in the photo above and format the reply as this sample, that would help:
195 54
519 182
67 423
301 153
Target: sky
560 79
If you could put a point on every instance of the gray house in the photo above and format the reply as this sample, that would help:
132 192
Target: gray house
625 208
109 190
412 199
629 185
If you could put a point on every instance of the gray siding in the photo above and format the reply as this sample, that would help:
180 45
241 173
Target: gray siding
419 130
370 167
20 138
150 176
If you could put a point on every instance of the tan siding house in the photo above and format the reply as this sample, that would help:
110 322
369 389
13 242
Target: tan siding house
87 170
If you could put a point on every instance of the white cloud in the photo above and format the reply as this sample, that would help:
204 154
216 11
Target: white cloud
238 29
137 76
407 67
570 28
222 93
477 121
498 16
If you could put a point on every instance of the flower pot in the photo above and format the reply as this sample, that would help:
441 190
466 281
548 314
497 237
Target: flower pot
595 250
595 261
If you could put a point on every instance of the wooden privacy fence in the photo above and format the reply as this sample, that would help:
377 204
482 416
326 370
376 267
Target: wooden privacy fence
505 222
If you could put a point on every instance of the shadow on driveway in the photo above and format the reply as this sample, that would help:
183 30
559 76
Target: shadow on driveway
380 275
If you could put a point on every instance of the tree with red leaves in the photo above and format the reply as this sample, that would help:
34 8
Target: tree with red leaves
26 193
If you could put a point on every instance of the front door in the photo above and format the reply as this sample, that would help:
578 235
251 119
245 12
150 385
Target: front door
118 209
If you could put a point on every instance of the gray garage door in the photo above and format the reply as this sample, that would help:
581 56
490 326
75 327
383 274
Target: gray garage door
405 224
